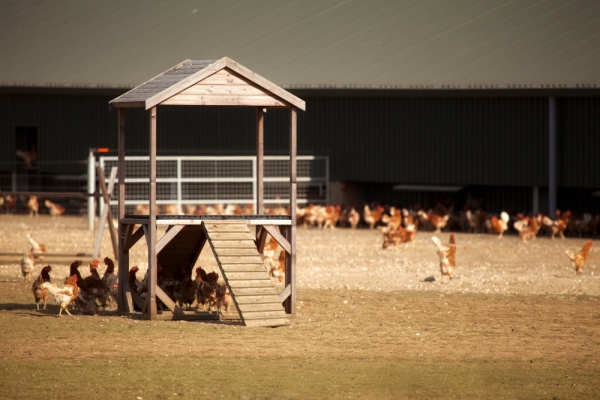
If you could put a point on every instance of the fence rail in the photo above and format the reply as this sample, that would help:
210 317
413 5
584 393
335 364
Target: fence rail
209 180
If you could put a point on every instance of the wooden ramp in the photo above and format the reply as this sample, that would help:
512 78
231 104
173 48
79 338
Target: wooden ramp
243 269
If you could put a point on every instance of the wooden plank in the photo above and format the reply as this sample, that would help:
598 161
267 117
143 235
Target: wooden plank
260 144
223 77
214 227
244 251
203 89
290 262
270 87
106 213
248 315
167 237
231 236
222 100
241 259
255 291
133 239
285 245
185 83
238 244
151 238
250 283
167 301
259 307
285 293
246 276
267 322
244 267
273 298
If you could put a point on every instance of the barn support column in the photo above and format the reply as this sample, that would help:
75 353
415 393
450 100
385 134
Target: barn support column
536 200
151 300
551 156
290 264
260 138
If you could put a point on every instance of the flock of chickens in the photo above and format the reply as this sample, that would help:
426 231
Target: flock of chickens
204 289
93 292
400 226
10 203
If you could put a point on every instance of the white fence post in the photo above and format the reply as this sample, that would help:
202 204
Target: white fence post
91 188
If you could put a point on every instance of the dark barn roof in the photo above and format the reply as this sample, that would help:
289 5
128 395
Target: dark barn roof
312 44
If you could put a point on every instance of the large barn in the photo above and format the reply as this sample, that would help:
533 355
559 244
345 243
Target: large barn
465 103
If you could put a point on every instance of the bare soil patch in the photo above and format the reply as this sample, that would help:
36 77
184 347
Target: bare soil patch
516 322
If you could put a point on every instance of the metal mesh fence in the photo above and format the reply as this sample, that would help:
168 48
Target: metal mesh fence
195 181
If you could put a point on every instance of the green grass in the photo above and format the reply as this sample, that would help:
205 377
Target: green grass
297 378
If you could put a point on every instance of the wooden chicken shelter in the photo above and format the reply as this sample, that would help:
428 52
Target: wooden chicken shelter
236 247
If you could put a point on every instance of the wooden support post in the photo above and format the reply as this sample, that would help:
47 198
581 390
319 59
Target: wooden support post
260 136
106 213
290 262
152 261
123 261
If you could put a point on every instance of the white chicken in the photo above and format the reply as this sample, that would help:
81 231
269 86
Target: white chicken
27 266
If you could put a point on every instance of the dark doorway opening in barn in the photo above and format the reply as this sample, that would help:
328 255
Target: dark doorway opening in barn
26 143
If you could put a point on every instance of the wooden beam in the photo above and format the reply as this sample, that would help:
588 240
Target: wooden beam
171 233
124 301
285 293
260 160
261 239
279 238
290 262
152 261
133 238
168 302
106 213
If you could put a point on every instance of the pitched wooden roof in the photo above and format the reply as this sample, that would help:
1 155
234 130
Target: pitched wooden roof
208 82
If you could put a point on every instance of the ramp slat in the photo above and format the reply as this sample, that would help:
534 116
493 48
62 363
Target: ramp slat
230 236
246 276
249 251
264 314
254 291
258 299
236 244
241 259
242 267
259 307
251 284
216 227
267 322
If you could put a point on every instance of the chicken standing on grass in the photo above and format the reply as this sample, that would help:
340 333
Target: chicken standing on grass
35 246
63 296
447 255
40 293
578 260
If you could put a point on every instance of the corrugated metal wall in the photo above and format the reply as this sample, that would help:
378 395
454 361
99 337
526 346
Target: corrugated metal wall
450 141
431 141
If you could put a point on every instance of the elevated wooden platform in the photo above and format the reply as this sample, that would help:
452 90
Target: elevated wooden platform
238 255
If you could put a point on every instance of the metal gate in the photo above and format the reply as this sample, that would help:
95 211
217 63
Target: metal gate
190 180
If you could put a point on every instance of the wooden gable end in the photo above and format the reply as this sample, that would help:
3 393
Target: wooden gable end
224 88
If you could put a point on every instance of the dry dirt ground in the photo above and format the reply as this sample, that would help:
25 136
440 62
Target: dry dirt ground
515 322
